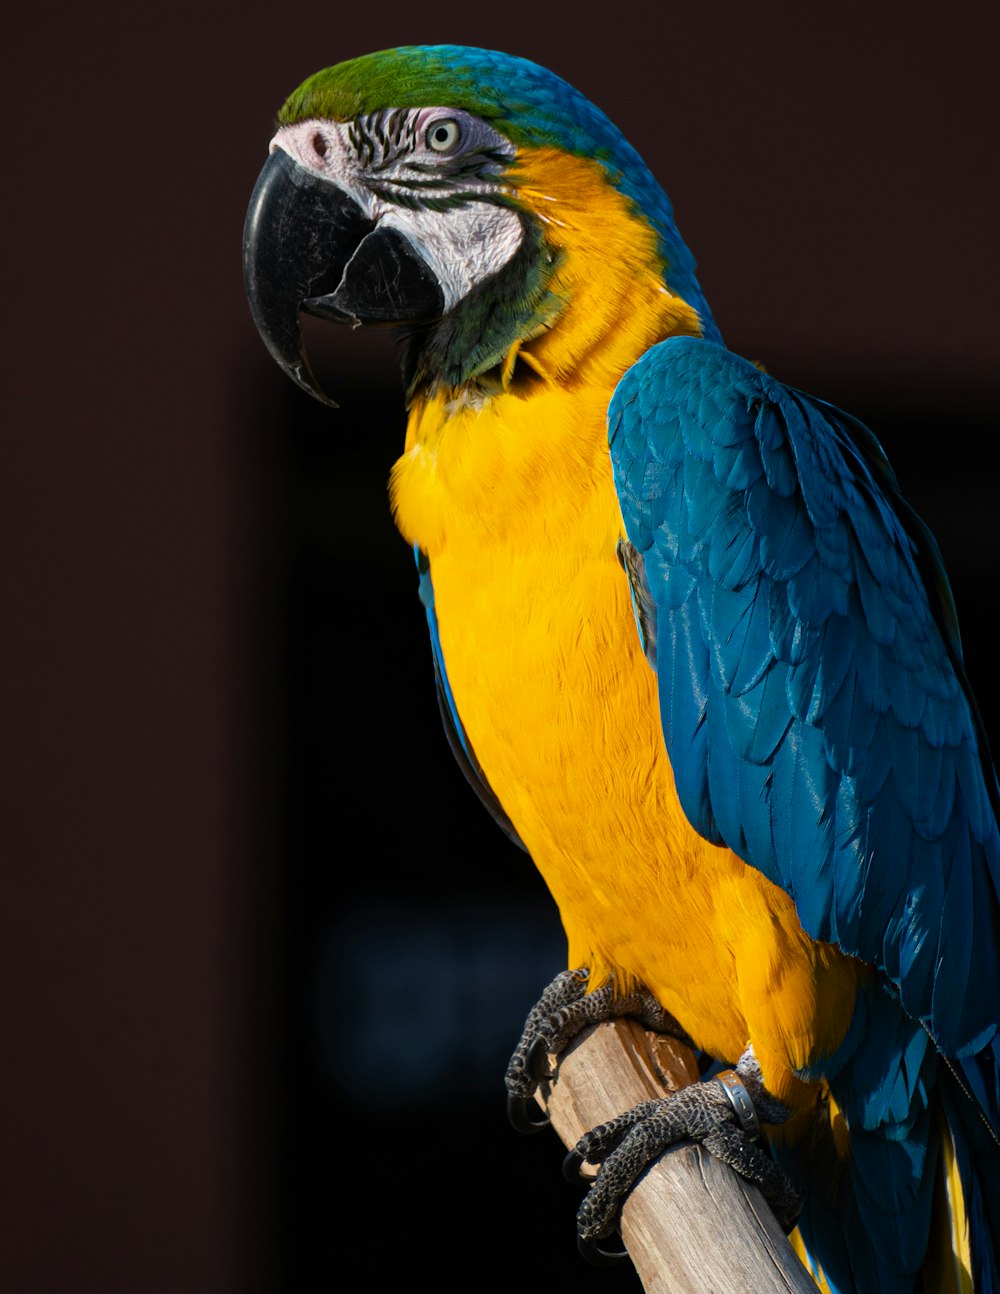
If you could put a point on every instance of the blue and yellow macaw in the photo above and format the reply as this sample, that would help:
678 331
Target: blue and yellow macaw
693 648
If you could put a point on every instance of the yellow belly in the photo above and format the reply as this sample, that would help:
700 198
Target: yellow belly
561 708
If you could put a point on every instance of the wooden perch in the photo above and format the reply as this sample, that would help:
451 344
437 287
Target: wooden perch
691 1225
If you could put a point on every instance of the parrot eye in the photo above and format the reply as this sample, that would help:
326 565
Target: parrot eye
442 136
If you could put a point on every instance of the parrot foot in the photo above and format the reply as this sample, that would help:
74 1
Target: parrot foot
563 1010
721 1114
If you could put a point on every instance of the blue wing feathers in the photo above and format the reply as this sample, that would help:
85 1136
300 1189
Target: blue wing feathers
821 636
753 791
684 714
741 643
819 722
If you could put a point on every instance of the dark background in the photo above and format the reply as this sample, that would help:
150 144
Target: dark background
264 956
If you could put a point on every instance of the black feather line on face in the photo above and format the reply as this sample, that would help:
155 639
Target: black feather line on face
422 200
361 141
473 339
485 165
397 120
379 131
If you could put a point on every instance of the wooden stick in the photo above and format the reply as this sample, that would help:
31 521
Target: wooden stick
691 1225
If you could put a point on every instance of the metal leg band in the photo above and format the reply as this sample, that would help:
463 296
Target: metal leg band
739 1098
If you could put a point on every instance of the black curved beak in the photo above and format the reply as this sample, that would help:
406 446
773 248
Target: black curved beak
307 245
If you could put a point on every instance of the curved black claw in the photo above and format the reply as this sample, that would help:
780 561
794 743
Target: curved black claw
536 1062
529 1065
598 1257
525 1114
522 1110
572 1167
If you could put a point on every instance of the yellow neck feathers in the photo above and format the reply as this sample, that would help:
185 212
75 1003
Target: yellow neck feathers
610 272
481 458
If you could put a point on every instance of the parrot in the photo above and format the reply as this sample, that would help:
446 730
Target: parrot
693 649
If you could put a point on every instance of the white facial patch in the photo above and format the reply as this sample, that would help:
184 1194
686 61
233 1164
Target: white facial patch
432 174
463 246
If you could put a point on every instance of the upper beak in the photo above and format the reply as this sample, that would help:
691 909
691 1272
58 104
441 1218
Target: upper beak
307 245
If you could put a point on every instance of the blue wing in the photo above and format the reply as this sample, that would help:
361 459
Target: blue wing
819 723
814 702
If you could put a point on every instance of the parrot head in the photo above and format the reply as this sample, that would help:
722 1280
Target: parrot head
462 193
